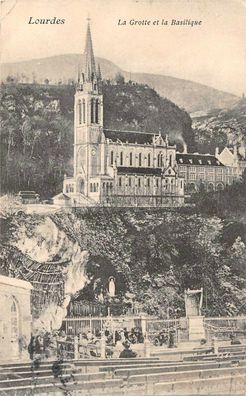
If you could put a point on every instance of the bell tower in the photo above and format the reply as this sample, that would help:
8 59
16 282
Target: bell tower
88 120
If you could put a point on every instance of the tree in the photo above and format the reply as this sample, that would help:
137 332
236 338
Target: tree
10 79
119 79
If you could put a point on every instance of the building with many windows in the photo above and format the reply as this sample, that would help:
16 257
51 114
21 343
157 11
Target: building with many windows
129 168
202 172
122 168
206 172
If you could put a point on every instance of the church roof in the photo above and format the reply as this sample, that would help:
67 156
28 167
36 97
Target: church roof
90 65
197 159
129 136
122 170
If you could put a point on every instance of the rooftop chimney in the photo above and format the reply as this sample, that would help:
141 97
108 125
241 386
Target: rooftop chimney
185 148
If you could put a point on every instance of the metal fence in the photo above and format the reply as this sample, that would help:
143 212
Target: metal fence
221 327
224 327
97 324
150 327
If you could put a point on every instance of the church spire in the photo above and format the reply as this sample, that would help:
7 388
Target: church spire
90 66
99 73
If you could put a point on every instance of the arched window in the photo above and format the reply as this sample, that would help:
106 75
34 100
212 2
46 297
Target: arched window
140 159
192 187
139 182
120 182
92 111
166 185
79 111
219 187
172 185
170 160
130 159
83 110
112 157
149 159
159 160
130 181
148 182
157 182
121 158
97 111
14 321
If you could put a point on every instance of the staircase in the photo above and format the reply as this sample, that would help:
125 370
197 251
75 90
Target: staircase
81 200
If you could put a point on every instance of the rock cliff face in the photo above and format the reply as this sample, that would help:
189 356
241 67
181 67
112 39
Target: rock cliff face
153 254
52 260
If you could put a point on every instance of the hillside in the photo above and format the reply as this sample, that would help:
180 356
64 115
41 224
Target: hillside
153 254
138 107
186 94
37 129
218 128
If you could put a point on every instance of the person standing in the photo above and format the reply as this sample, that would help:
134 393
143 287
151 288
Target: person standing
31 347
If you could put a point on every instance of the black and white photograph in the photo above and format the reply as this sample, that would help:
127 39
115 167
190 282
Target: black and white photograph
123 197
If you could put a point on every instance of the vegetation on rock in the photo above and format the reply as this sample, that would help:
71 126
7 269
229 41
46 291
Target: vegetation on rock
154 255
221 127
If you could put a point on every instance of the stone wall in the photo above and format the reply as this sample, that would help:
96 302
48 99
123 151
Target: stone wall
15 317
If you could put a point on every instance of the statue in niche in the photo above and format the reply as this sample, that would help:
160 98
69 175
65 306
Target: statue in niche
193 302
111 286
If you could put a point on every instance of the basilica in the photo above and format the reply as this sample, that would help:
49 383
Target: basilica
114 167
129 168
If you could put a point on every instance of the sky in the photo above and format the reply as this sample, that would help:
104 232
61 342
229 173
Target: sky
213 53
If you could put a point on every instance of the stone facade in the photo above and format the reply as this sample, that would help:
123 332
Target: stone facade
129 168
203 172
120 168
15 317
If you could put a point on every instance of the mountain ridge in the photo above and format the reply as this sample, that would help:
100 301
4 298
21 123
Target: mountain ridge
187 94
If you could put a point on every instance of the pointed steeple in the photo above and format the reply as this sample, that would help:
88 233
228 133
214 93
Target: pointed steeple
78 78
90 66
99 74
